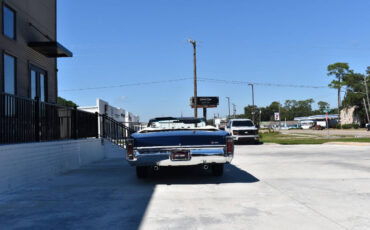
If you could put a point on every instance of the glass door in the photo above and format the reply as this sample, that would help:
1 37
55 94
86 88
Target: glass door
38 83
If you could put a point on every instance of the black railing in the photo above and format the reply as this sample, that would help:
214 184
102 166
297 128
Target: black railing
26 120
135 126
114 131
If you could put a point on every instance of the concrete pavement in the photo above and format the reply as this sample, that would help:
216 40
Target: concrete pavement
266 187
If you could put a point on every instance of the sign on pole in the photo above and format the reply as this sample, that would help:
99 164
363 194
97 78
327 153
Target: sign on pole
327 121
205 102
277 116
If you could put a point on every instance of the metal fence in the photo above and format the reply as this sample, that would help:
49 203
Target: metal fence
26 120
114 131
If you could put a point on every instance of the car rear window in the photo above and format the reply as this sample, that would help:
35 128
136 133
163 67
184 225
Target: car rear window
242 123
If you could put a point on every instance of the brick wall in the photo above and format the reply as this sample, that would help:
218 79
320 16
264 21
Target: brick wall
24 164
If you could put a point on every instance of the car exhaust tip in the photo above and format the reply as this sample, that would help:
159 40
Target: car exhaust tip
205 167
156 168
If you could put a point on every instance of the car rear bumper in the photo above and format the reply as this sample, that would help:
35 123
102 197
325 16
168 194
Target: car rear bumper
245 137
197 157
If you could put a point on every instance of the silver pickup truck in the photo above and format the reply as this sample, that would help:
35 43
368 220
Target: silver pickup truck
169 141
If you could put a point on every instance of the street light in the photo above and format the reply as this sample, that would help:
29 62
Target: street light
252 101
228 102
234 108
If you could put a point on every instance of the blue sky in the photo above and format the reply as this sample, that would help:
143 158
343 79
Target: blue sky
287 42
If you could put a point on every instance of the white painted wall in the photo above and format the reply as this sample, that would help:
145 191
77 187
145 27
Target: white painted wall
24 164
103 107
349 116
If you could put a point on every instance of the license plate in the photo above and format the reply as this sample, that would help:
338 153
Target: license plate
180 155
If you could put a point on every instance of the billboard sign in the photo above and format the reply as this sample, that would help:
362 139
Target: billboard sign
205 102
277 116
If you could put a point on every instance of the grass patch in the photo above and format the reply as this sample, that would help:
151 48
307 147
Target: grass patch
286 139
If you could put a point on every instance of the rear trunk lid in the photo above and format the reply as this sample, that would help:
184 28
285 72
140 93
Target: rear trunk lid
180 138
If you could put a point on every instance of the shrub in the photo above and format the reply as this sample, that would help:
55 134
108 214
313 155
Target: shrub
350 126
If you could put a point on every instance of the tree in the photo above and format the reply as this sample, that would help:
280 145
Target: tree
248 112
366 82
304 107
67 103
355 94
291 109
340 70
323 106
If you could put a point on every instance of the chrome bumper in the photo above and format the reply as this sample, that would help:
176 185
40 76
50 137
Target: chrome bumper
245 137
197 157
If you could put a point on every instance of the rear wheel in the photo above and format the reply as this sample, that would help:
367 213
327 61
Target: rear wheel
218 169
141 172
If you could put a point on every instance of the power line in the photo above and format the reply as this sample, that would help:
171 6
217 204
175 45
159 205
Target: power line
261 84
210 80
128 84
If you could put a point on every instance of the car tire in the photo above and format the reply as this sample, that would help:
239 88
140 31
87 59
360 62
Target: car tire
141 172
217 169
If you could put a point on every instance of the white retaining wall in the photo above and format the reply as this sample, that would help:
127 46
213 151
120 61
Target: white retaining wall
23 164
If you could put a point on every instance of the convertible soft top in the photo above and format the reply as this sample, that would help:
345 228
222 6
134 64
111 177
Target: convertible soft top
185 120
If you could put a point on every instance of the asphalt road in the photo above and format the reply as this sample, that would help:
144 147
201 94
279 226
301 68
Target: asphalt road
266 187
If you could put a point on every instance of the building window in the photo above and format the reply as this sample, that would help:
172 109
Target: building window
9 74
33 84
42 87
38 83
8 22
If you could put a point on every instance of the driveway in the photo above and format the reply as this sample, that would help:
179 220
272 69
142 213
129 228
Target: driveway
266 187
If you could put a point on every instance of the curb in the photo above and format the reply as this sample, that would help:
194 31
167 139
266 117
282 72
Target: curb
348 143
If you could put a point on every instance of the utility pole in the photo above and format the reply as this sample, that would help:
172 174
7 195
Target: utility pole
234 108
252 101
279 117
194 43
367 112
260 117
228 103
367 94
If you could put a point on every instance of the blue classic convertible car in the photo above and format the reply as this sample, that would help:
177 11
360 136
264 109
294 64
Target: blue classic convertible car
169 141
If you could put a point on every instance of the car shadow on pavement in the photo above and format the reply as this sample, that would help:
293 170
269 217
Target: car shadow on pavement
104 194
197 175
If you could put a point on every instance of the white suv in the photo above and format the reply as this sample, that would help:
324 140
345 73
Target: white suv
242 130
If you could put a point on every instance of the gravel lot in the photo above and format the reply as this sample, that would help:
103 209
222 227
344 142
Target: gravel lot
266 187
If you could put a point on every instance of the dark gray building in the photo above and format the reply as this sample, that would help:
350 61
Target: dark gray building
29 49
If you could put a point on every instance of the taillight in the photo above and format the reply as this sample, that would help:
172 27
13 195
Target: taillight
130 149
229 146
235 132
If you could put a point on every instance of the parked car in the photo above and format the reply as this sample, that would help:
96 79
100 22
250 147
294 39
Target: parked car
220 123
318 127
307 124
368 127
169 141
242 130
